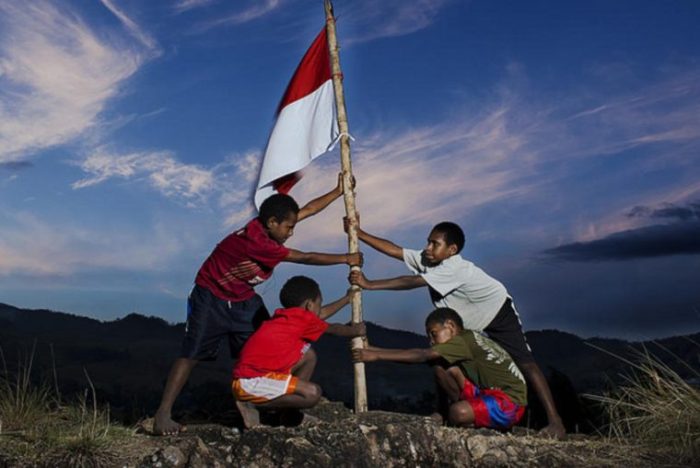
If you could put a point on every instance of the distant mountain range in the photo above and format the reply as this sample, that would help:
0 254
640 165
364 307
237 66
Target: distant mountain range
128 359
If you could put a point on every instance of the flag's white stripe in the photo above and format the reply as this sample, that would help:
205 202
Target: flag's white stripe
304 130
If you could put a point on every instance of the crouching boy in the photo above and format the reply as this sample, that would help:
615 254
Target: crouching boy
482 385
275 366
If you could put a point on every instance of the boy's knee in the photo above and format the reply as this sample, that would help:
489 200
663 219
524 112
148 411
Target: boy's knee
317 393
314 394
439 371
311 356
460 414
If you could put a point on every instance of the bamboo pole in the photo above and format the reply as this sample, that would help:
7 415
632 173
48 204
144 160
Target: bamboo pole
348 196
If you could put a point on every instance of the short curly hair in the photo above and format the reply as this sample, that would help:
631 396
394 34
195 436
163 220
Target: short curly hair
298 289
442 315
278 206
452 233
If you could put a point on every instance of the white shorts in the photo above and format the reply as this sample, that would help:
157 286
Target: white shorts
267 387
262 389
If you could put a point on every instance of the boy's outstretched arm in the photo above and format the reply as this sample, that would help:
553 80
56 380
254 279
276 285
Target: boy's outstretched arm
315 258
348 331
330 309
318 204
401 282
415 355
377 243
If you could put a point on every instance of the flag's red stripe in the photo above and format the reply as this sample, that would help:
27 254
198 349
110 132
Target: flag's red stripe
312 72
285 183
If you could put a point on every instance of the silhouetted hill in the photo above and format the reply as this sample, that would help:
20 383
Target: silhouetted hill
128 360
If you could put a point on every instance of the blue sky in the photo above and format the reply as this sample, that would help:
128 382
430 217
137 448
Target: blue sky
563 137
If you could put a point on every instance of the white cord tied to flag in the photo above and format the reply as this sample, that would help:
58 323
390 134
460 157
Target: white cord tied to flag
337 140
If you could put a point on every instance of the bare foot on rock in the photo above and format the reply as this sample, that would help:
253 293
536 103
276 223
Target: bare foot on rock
164 425
250 414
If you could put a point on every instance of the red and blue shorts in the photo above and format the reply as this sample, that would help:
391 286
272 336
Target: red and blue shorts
491 406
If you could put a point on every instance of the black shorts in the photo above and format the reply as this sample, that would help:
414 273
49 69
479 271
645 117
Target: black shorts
506 330
209 319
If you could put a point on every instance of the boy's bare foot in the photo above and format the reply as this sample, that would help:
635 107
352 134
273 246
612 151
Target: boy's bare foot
250 414
164 425
554 430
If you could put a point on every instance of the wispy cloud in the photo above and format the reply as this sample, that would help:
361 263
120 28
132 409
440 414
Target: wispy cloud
228 184
520 146
389 18
159 169
238 176
424 175
143 37
257 9
57 74
74 248
185 5
665 111
523 146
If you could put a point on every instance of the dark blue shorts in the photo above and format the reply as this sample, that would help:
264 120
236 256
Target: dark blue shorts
209 319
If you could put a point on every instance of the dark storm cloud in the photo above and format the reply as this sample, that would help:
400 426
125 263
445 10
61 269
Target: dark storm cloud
15 165
679 238
667 211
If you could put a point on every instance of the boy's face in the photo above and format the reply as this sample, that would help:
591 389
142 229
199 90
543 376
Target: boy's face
314 305
441 332
281 231
437 249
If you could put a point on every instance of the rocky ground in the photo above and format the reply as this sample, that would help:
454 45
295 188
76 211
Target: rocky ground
339 438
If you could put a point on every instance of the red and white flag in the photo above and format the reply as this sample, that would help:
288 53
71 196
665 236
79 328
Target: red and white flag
306 125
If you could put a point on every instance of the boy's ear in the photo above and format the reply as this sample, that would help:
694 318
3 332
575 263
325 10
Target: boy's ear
270 221
452 325
452 249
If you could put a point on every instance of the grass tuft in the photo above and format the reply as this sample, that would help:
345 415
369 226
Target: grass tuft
22 404
657 409
36 429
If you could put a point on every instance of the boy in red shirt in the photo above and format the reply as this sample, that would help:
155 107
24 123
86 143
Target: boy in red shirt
276 363
223 303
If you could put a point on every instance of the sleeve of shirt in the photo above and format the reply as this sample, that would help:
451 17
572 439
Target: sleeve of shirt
453 351
267 252
442 278
315 327
412 259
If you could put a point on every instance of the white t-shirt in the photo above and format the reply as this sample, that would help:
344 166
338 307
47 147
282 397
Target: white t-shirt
460 285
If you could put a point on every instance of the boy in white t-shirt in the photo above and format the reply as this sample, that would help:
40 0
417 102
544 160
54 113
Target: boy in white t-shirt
481 301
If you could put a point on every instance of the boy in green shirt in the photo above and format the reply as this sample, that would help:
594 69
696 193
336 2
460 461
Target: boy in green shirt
482 384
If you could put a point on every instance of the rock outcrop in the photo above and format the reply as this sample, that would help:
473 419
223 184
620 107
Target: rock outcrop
339 438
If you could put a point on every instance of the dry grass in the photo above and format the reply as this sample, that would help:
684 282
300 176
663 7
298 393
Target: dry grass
36 429
657 409
21 403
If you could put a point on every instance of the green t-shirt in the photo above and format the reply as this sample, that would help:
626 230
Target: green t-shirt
485 363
